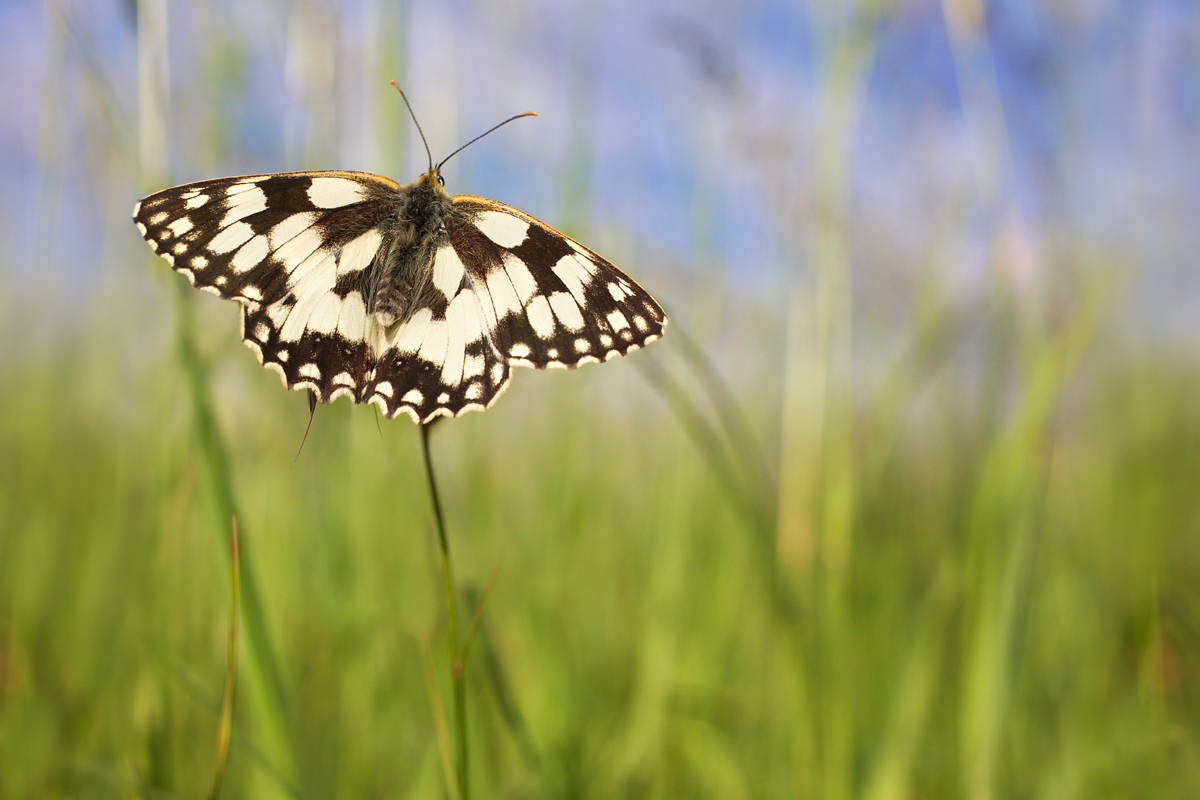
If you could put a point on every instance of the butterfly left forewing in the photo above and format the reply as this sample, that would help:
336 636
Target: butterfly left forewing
243 237
547 300
295 249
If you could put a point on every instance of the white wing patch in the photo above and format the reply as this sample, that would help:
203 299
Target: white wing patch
325 314
434 343
464 327
540 317
566 310
409 335
358 254
316 284
244 203
300 252
290 228
504 297
335 192
251 254
231 238
521 277
504 229
352 320
448 271
573 275
180 226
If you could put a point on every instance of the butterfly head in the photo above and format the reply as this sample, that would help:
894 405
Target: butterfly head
434 177
431 183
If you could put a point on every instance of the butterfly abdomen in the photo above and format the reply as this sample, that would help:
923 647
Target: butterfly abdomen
400 279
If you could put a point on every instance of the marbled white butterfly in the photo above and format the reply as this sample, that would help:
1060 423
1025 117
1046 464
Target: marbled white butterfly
403 296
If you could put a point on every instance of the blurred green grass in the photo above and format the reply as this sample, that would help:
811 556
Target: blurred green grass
1019 595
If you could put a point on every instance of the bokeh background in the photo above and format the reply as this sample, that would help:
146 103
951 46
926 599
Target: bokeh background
906 503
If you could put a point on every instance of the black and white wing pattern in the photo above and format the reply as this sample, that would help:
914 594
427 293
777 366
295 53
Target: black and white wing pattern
402 296
547 300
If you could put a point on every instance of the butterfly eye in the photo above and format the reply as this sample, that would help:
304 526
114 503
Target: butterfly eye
441 180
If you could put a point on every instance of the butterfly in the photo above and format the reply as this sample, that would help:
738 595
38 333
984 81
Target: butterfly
402 296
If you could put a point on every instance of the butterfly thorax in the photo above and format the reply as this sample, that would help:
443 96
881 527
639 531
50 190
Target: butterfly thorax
401 274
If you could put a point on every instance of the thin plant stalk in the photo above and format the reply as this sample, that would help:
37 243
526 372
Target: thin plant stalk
457 672
439 718
225 723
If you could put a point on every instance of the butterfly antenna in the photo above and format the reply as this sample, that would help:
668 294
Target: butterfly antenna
312 409
414 119
480 136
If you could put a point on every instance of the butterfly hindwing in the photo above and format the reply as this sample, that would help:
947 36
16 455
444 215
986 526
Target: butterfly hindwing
440 360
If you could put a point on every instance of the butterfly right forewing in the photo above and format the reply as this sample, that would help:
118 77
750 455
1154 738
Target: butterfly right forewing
548 300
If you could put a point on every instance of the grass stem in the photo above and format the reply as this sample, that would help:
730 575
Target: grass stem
225 723
457 671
